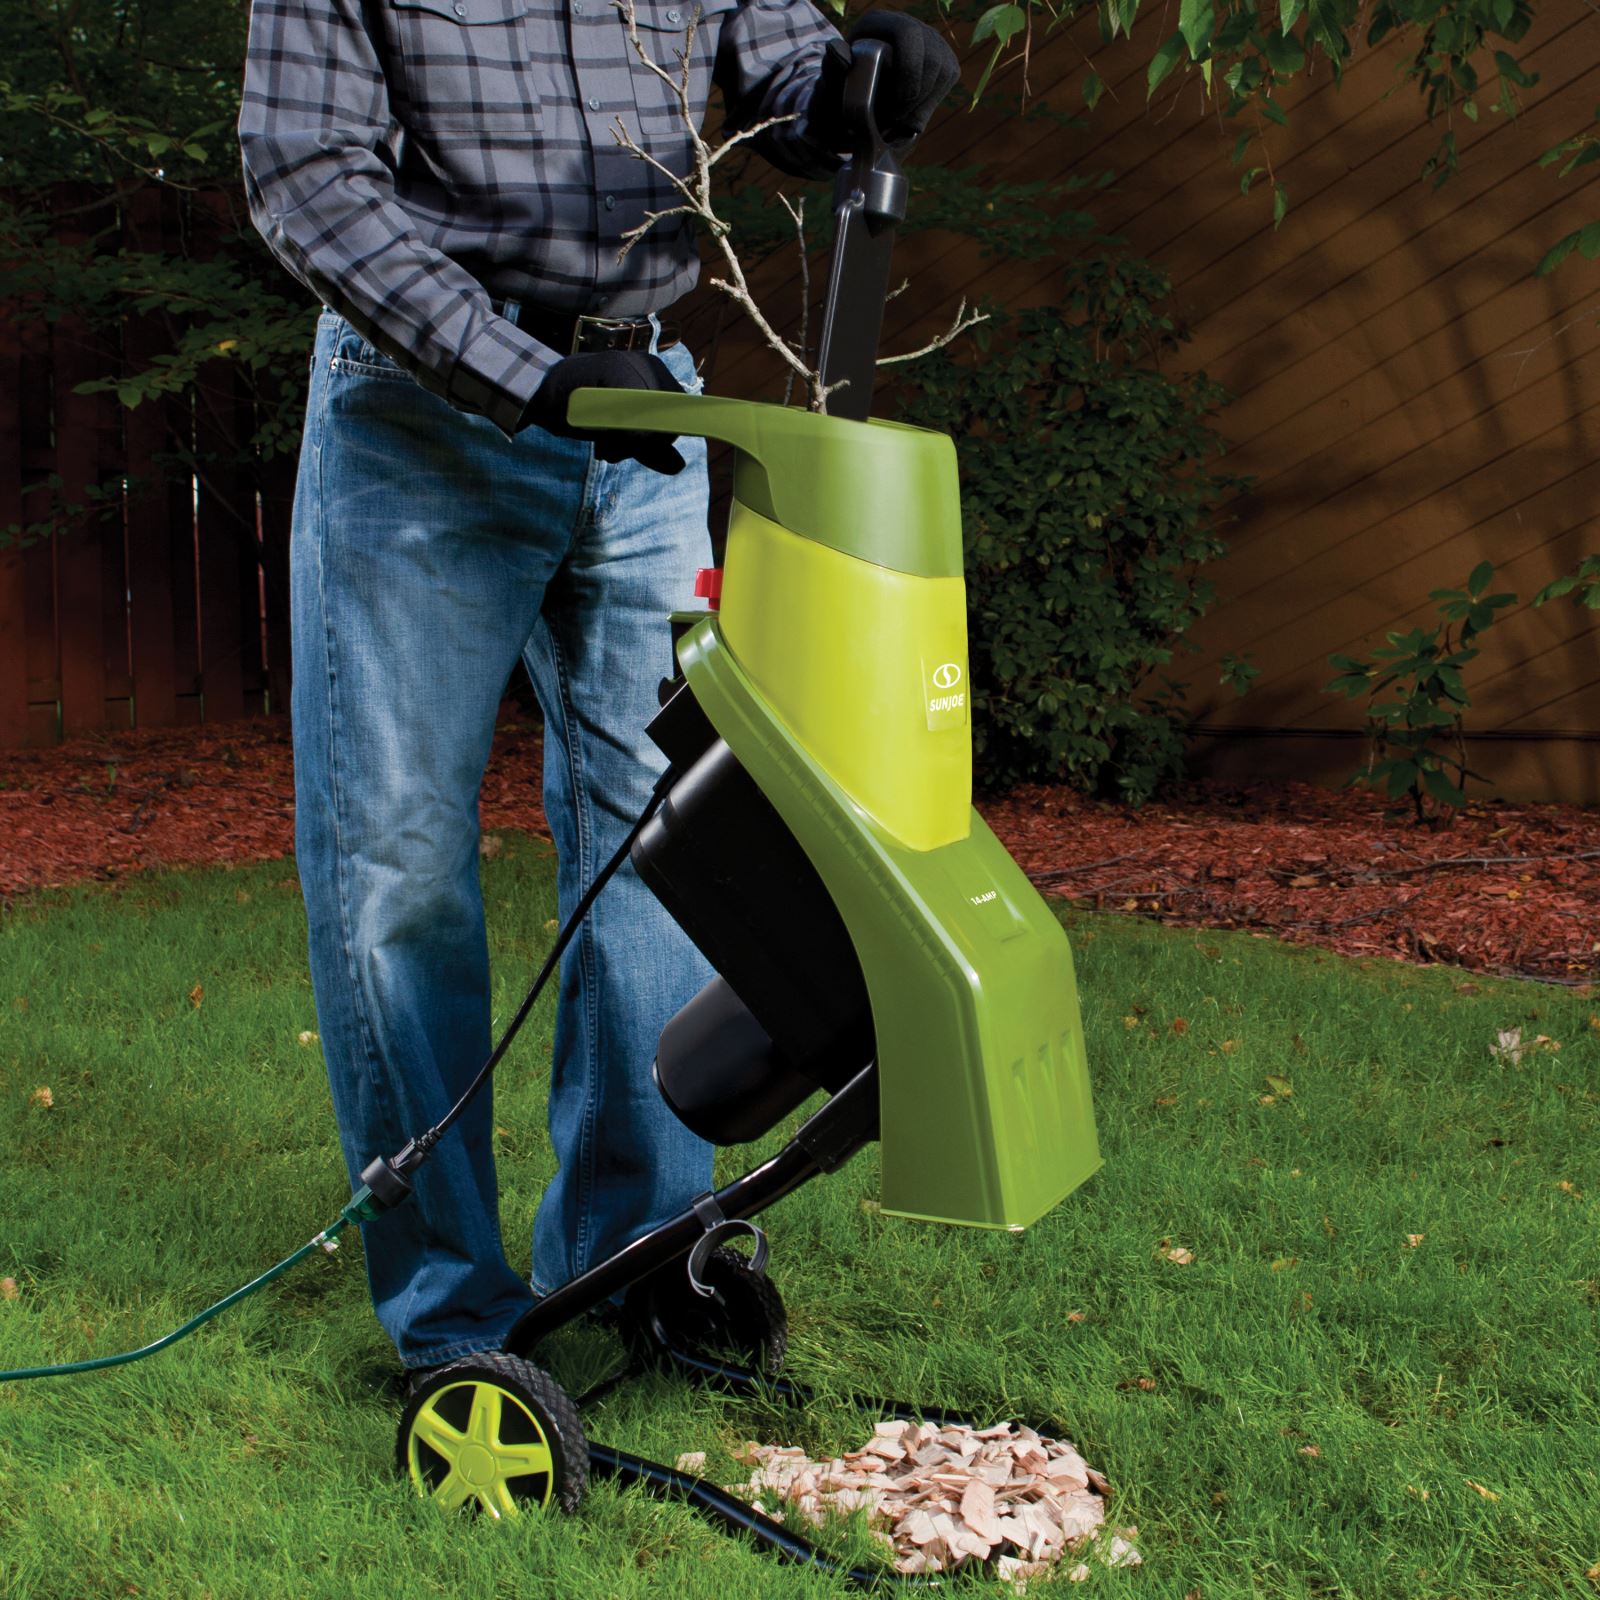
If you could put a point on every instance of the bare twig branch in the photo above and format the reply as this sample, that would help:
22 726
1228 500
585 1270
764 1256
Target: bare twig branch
698 203
797 213
697 196
962 322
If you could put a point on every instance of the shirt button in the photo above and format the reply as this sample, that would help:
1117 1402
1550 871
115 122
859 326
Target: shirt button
611 202
461 11
673 17
577 11
594 102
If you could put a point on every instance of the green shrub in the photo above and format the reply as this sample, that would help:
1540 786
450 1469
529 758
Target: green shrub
1089 505
1416 700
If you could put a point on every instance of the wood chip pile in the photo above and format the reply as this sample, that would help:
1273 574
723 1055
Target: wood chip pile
940 1498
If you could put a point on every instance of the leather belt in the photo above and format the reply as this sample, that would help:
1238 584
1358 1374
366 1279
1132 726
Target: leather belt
571 332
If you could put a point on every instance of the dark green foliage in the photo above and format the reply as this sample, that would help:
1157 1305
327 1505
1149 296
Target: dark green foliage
1417 698
123 199
1089 501
1583 585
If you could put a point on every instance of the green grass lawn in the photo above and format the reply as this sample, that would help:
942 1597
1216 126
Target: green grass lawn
1318 1391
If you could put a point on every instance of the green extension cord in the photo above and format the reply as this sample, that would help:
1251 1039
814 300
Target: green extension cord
394 1172
359 1209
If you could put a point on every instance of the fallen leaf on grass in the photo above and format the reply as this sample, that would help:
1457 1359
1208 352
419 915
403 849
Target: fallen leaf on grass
692 1461
1179 1255
1145 1385
1285 1261
1281 1087
1074 1316
1566 1186
42 1098
1309 1450
1180 1025
1229 1046
196 995
1478 1488
1507 1046
1414 1239
306 1036
1510 1046
8 1288
1130 1023
491 845
1421 1494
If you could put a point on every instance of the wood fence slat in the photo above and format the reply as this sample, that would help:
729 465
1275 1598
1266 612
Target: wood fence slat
76 358
155 501
219 514
277 508
13 590
39 559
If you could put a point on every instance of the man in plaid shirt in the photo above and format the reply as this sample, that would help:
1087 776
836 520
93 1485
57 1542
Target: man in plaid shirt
442 174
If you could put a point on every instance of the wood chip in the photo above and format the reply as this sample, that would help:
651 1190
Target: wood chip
942 1496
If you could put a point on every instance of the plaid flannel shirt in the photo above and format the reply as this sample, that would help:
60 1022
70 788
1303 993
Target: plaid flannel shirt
413 161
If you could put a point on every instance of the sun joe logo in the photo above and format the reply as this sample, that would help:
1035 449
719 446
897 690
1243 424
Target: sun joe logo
946 694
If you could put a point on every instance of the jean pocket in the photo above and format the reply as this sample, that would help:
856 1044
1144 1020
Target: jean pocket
360 358
464 68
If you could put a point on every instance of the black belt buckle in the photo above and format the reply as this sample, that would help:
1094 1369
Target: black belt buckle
609 333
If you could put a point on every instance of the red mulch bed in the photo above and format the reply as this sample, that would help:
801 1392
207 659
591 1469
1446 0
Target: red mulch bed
1511 888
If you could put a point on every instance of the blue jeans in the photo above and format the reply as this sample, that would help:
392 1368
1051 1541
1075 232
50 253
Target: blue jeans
429 552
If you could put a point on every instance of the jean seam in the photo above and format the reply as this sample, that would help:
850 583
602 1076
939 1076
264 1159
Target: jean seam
584 1185
455 1352
335 786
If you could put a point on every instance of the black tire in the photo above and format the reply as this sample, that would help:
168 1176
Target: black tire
496 1433
743 1321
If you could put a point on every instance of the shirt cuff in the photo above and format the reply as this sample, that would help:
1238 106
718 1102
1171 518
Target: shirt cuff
497 373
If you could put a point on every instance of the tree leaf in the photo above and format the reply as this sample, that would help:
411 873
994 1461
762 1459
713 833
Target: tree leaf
1442 789
1196 22
1162 63
999 23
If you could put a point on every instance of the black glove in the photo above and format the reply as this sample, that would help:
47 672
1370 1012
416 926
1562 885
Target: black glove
921 70
606 369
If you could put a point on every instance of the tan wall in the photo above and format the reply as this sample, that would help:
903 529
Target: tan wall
1409 398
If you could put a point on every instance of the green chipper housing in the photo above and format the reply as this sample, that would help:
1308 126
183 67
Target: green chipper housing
836 673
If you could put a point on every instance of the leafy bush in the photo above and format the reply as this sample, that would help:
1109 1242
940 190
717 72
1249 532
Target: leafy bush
1417 731
1089 505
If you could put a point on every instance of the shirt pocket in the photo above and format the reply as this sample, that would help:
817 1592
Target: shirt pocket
663 27
466 67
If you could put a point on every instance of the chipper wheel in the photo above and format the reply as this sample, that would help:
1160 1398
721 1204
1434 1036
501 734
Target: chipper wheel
743 1321
495 1433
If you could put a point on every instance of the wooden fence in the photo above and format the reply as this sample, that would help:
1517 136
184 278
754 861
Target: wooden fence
164 599
1409 399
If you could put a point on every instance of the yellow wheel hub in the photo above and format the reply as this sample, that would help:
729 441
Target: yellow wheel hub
474 1442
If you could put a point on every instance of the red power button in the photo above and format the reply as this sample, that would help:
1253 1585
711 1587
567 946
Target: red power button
708 586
